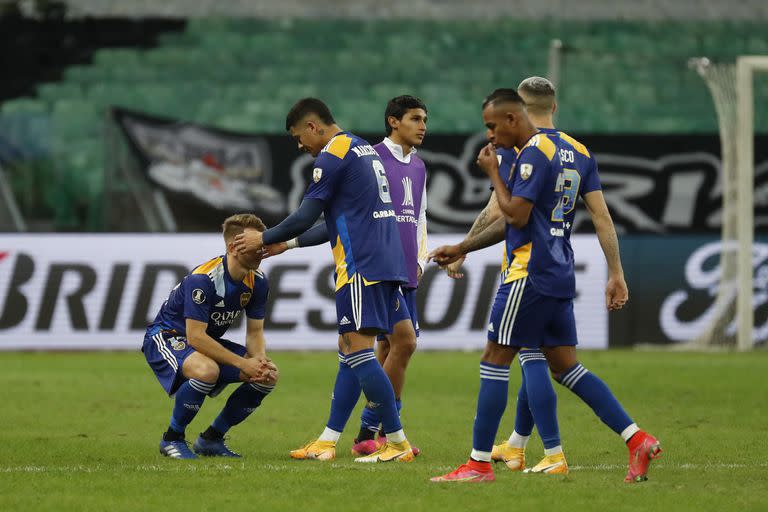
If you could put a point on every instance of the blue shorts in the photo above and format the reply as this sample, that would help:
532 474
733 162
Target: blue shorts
405 309
522 317
366 307
166 352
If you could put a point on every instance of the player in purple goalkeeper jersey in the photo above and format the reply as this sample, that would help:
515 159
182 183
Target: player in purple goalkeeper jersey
405 120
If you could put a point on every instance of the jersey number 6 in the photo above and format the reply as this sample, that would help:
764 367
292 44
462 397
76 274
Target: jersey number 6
381 178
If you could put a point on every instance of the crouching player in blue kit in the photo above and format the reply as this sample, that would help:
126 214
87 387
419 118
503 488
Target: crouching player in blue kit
185 349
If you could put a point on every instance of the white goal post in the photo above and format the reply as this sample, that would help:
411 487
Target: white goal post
746 66
732 89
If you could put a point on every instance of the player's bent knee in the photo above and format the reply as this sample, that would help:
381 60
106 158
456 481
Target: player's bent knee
201 368
403 341
501 355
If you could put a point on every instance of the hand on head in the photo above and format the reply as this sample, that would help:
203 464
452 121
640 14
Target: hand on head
249 241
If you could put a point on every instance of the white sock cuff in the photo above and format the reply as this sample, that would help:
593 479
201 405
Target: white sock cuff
518 441
629 432
481 456
553 451
329 435
396 437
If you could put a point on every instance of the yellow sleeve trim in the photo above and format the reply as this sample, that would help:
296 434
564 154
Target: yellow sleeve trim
578 146
543 144
339 146
208 266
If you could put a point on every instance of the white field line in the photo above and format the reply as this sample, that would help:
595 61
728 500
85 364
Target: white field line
193 467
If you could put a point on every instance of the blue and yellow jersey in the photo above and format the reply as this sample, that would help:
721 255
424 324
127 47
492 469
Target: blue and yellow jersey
547 258
350 179
209 294
512 268
579 174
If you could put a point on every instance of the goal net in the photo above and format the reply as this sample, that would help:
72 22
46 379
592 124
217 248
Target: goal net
731 87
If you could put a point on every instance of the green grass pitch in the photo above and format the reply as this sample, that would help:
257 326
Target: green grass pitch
79 431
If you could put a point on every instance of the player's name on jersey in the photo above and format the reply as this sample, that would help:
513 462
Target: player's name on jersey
366 150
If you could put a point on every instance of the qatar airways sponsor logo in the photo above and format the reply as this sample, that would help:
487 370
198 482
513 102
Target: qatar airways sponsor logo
225 317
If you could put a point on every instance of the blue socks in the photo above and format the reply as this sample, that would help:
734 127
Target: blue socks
189 399
542 399
240 405
598 396
346 392
523 416
370 418
491 402
377 388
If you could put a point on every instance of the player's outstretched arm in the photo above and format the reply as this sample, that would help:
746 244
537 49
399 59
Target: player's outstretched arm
293 225
487 217
616 292
491 235
450 254
200 341
317 235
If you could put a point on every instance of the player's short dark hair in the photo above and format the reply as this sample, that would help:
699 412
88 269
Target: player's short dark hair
397 107
540 93
503 96
236 224
306 106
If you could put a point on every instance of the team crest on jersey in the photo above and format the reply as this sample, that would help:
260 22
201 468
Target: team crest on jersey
177 343
198 296
244 298
317 173
525 171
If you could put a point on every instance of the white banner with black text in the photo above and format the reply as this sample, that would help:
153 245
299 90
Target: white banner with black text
95 292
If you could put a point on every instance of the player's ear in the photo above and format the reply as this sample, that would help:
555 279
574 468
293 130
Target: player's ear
554 107
393 122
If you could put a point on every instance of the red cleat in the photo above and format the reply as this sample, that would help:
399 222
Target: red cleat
643 448
472 471
369 446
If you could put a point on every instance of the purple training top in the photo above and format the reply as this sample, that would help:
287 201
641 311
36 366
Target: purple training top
407 178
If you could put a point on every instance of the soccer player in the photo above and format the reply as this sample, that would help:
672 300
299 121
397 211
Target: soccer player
350 186
185 348
537 399
536 309
405 121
